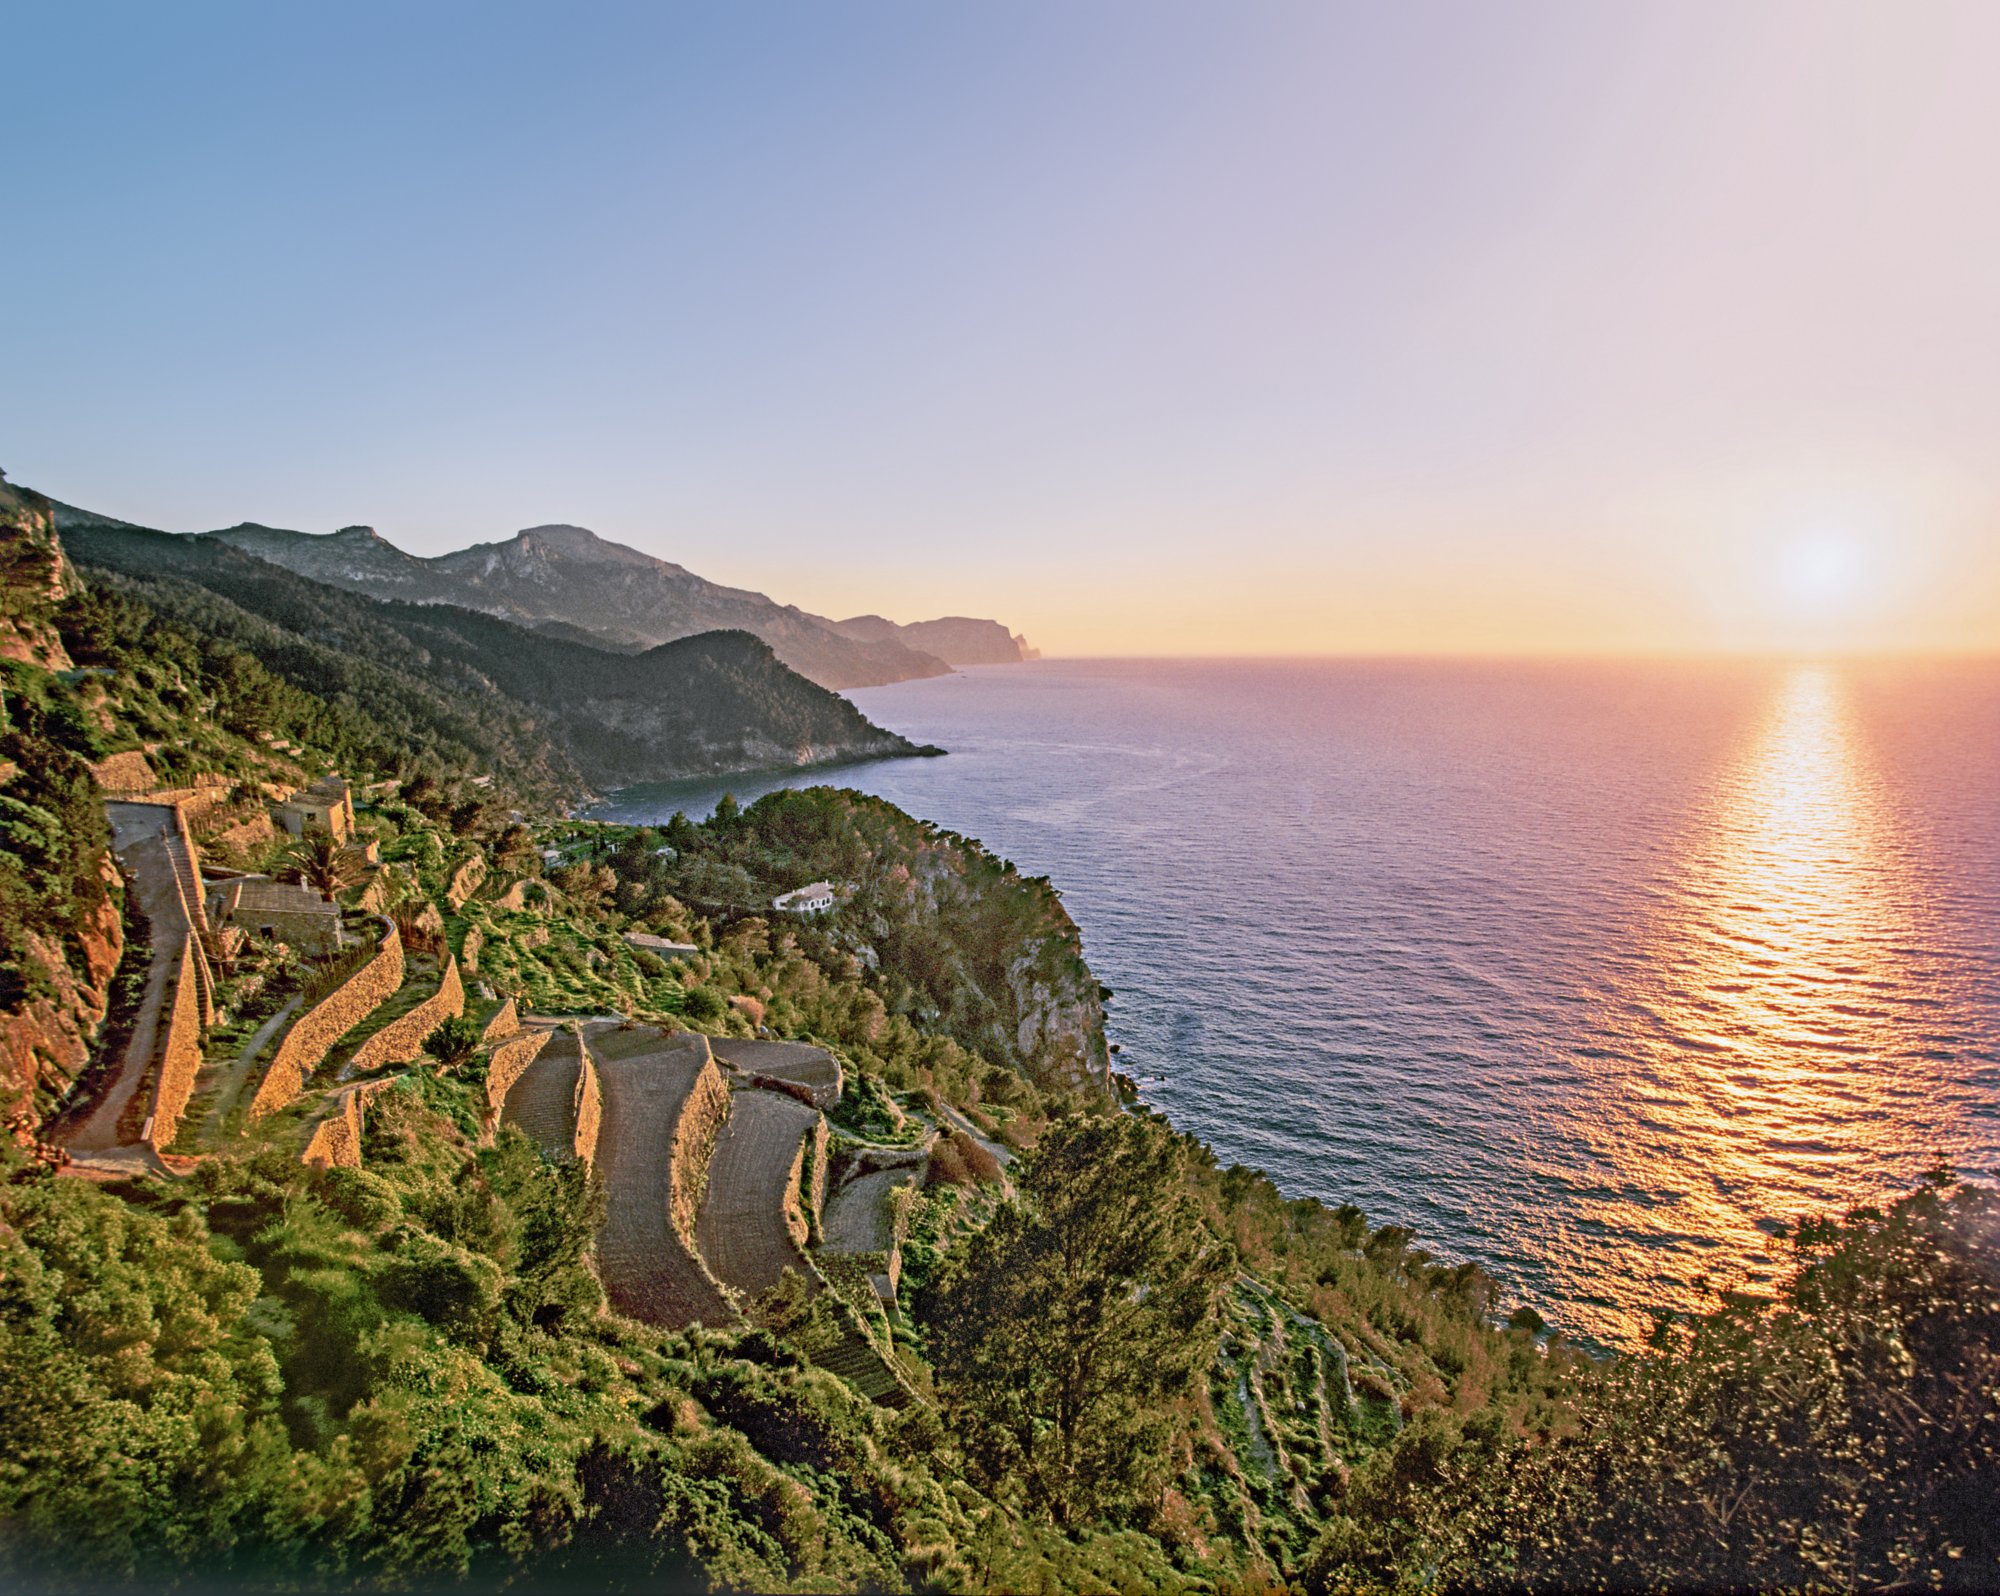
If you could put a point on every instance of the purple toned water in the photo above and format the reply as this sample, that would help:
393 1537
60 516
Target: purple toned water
1589 972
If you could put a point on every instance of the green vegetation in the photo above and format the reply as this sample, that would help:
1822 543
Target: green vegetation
1068 1325
539 711
1137 1369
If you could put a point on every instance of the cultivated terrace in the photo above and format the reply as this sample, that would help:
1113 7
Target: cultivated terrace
407 1182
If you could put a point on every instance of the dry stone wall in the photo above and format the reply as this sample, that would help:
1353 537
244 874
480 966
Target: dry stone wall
589 1107
180 1050
509 1061
816 1175
314 1032
336 1140
465 881
707 1106
401 1041
471 947
505 1022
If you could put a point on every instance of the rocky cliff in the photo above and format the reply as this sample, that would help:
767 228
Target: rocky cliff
570 582
34 578
956 639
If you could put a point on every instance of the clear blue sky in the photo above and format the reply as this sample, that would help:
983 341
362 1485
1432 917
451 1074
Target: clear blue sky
1144 326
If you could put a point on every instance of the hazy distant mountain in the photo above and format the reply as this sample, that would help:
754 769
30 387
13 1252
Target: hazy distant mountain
958 639
566 581
541 706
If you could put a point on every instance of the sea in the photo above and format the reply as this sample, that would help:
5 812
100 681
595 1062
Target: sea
1599 974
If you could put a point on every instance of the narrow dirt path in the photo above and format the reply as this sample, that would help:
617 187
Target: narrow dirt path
230 1086
646 1269
742 1230
136 838
542 1102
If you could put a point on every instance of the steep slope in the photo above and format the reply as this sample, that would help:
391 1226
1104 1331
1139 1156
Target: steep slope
568 573
60 933
567 581
706 704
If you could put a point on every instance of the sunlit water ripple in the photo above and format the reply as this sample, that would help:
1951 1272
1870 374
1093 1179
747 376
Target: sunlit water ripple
1591 973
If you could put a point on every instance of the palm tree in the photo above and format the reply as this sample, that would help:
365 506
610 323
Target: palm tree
322 862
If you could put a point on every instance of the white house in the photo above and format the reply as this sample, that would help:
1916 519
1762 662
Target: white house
815 898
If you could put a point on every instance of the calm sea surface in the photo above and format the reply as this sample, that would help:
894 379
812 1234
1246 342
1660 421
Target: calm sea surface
1590 973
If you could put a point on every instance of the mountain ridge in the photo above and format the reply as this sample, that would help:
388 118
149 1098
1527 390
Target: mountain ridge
568 580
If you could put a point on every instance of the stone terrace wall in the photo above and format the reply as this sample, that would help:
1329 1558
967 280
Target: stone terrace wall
401 1041
180 1050
314 1032
816 1175
505 1022
508 1063
336 1140
465 881
700 1122
589 1107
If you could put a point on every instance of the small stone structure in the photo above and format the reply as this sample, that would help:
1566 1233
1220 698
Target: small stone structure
401 1041
279 911
327 805
314 1032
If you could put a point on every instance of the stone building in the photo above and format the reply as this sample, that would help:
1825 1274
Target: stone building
278 911
327 805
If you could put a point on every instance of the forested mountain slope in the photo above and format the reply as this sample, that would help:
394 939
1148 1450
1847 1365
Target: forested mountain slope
712 703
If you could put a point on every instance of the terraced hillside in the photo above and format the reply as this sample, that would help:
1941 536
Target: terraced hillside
647 1269
745 1232
542 1102
858 1217
808 1072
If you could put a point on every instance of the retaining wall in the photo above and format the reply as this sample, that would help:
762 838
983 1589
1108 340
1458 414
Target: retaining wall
700 1122
589 1107
470 947
314 1032
796 1222
465 880
180 1050
336 1139
505 1022
509 1061
401 1041
816 1176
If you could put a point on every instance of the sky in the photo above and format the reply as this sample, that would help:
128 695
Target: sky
1149 328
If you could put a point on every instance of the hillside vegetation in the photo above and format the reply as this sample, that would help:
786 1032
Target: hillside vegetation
718 702
1110 1363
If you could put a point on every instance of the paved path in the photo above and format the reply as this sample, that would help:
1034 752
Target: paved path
543 1101
647 1270
742 1229
136 837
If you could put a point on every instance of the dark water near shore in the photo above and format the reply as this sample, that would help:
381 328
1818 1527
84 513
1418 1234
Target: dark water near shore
1589 972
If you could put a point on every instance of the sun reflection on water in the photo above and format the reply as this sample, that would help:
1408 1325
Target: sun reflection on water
1771 1015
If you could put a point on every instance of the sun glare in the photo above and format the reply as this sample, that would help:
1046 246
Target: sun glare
1822 576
